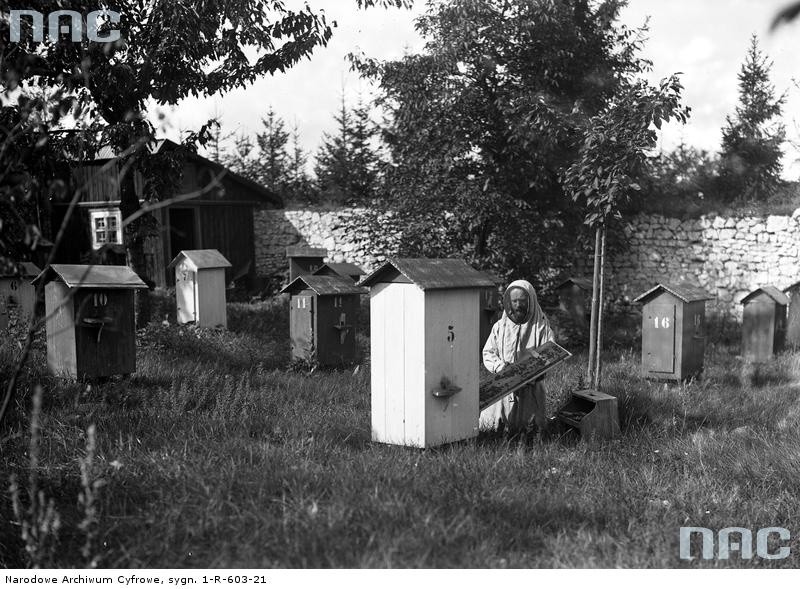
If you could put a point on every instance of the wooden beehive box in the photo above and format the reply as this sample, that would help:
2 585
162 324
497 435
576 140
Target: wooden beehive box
18 295
90 319
574 298
491 304
793 316
323 315
200 287
343 269
673 331
304 260
424 330
763 323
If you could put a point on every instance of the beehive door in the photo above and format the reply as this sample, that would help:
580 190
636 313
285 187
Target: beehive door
3 311
301 326
186 293
105 332
658 335
758 330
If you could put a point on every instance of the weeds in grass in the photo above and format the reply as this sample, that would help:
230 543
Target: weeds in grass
40 522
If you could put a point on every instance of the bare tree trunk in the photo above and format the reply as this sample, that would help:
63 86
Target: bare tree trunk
593 325
133 237
599 344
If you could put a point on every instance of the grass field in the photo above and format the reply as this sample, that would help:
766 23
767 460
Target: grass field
217 454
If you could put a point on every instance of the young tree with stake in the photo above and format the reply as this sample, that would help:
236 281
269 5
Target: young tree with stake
604 176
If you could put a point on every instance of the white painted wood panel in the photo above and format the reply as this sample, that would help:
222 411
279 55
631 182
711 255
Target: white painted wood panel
413 364
185 293
377 312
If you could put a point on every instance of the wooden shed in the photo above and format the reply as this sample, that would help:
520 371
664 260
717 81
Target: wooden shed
323 315
793 316
673 331
575 298
90 319
424 330
17 294
343 269
763 323
304 260
221 217
200 287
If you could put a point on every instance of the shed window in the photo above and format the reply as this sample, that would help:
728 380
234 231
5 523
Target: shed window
106 227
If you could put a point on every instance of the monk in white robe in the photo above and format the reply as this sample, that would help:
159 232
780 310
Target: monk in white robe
522 328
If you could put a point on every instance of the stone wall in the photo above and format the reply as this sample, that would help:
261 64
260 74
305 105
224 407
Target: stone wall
354 235
727 256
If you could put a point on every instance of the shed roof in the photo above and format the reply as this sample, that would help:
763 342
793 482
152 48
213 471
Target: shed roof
771 291
432 273
27 270
202 259
79 275
302 251
584 283
688 293
340 269
323 285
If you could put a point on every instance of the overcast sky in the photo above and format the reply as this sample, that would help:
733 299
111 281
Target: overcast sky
705 39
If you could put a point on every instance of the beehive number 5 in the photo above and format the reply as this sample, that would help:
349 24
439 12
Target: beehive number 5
661 322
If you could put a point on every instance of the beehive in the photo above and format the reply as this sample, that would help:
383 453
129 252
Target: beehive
18 295
793 316
200 287
343 269
763 323
491 303
323 315
424 330
90 319
574 298
673 331
304 260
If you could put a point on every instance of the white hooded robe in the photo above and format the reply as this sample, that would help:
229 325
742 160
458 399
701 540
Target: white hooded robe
510 342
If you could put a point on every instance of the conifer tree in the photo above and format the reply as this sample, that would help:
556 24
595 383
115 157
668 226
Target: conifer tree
752 137
346 164
272 143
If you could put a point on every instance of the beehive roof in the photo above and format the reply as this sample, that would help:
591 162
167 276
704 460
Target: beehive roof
202 259
584 283
301 251
771 291
432 273
27 270
340 269
688 293
323 285
79 275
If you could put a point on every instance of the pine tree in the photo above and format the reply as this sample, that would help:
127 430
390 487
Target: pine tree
363 158
346 164
752 138
272 144
332 166
300 188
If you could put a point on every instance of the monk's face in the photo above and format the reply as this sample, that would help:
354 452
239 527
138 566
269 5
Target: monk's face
519 305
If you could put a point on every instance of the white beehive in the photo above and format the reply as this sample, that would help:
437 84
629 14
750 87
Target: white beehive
424 330
200 287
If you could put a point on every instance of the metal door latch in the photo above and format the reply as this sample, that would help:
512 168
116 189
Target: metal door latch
445 388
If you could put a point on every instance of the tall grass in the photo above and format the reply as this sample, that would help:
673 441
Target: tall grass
214 454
